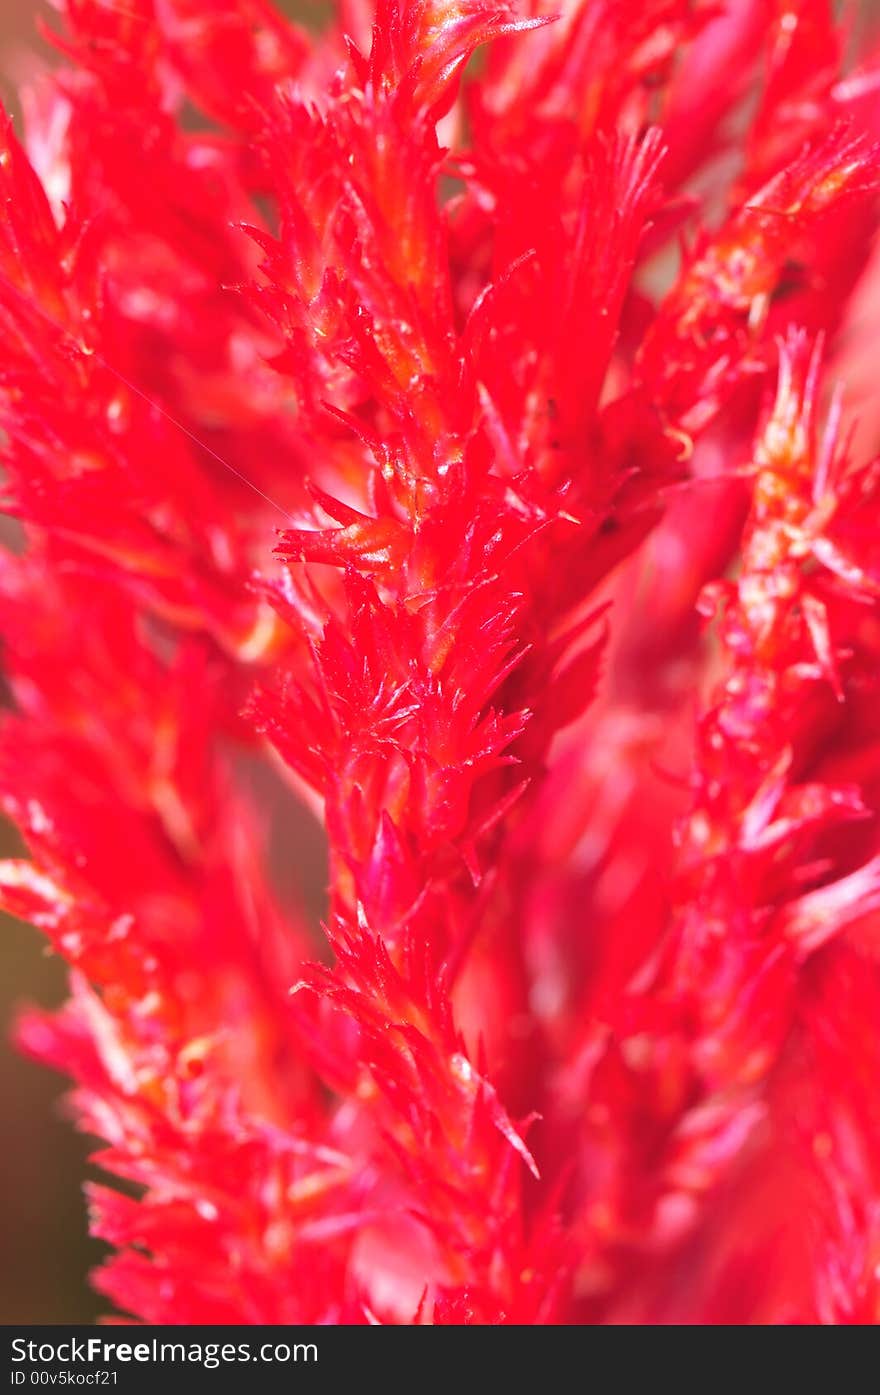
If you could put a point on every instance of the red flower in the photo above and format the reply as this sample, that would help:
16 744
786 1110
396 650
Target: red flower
534 357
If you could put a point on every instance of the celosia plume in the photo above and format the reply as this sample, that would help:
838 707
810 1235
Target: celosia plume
383 407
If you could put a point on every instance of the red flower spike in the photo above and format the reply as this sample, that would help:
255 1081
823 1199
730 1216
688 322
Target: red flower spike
392 424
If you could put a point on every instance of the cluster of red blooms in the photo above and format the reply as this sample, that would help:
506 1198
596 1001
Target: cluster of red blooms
427 418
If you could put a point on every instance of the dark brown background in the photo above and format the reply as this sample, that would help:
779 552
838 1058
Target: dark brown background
45 1253
43 1243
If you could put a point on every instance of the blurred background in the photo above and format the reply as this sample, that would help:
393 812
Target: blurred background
45 1252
